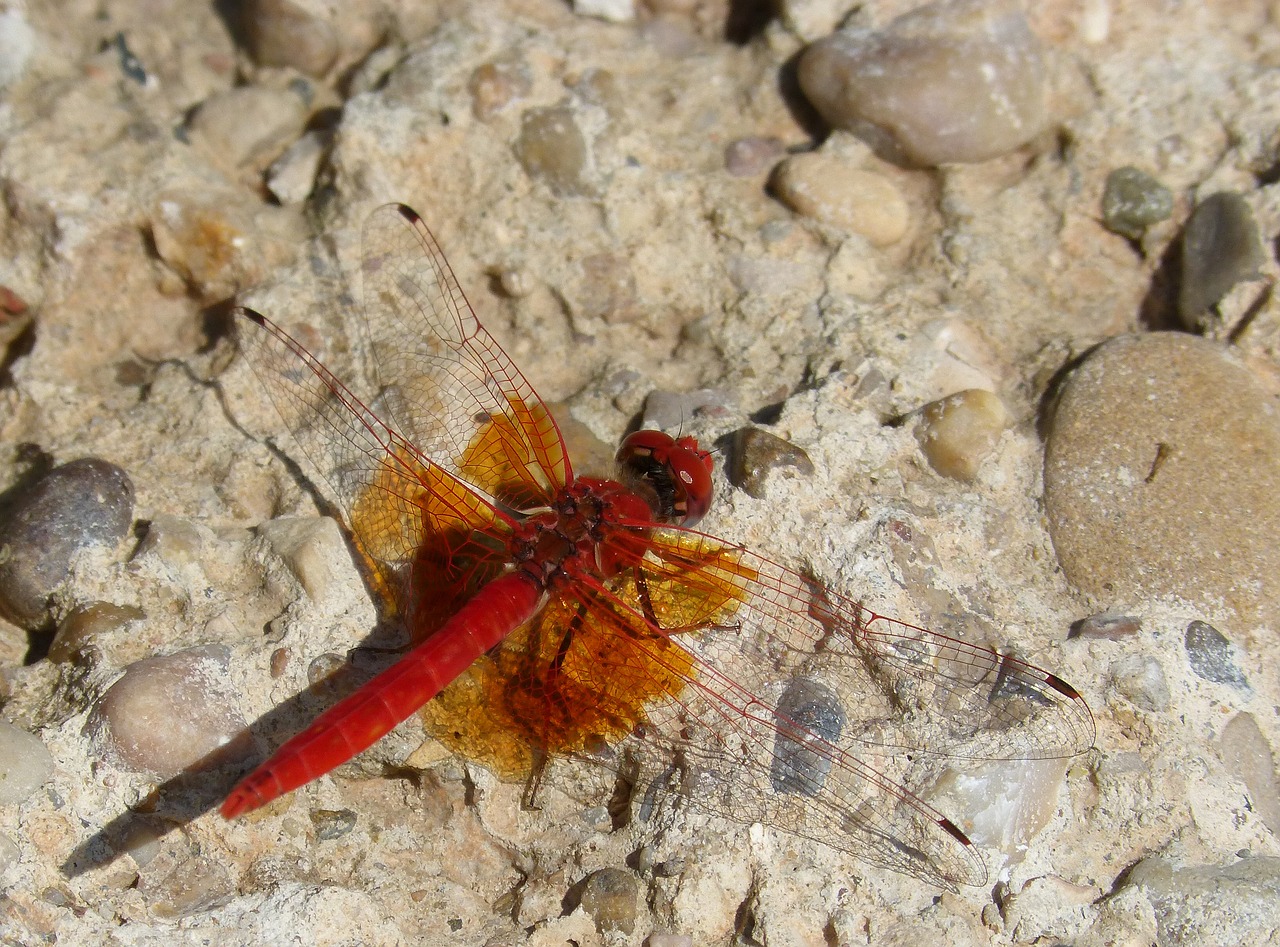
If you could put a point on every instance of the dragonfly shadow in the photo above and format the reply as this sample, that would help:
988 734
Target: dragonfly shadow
201 788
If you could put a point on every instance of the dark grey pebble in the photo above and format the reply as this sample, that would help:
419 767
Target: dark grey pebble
80 504
1220 248
1210 656
1132 201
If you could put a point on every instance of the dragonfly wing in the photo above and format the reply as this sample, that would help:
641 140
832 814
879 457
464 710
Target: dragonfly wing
401 507
446 383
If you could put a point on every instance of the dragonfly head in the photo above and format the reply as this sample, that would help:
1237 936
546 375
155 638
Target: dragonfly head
674 474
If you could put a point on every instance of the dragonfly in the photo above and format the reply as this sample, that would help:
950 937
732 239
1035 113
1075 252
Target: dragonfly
556 615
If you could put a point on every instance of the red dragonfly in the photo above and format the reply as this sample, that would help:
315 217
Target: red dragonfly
579 616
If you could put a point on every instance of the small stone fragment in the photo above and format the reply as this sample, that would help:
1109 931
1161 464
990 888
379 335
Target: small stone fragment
1245 750
1221 247
806 708
312 547
25 764
83 503
747 157
553 149
15 316
959 432
172 539
825 188
1106 627
1007 802
952 81
757 453
1210 655
249 126
290 33
10 854
614 11
332 823
1132 201
292 176
610 896
84 623
191 887
172 713
1140 679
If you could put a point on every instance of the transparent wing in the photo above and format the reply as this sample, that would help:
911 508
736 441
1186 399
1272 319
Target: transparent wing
446 384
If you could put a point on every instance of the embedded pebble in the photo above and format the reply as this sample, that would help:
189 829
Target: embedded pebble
1132 201
332 823
1106 627
1140 679
1245 750
313 549
610 896
495 85
797 766
669 410
249 126
1007 802
958 81
25 764
668 939
1161 476
1235 903
747 157
84 624
83 503
614 11
290 33
172 713
1221 247
172 539
207 239
959 432
832 191
15 316
1210 655
292 176
191 887
552 148
757 453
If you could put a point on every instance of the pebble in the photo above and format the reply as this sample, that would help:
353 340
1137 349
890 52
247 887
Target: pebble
1006 803
25 764
313 549
1245 750
249 126
496 85
292 176
172 713
747 157
957 81
208 239
553 149
1132 201
1221 247
1210 655
1161 476
1106 627
757 453
293 33
959 432
671 410
797 767
1236 903
332 823
83 503
10 854
610 896
1140 679
86 623
834 192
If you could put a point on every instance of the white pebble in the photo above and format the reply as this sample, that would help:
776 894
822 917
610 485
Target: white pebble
24 764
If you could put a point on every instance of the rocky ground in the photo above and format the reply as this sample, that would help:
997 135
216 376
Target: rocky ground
976 306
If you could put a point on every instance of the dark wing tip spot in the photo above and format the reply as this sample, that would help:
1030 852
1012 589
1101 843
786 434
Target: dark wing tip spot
1061 686
954 831
252 315
408 213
